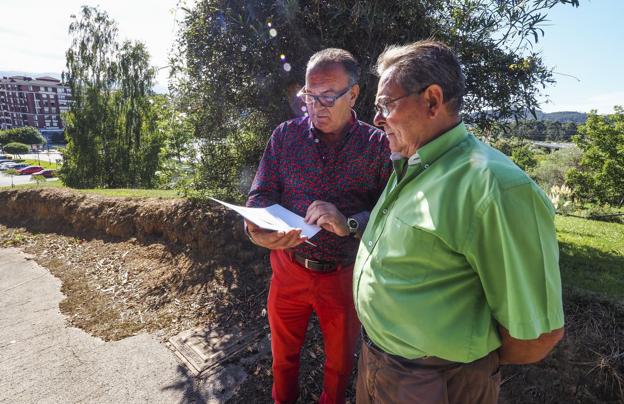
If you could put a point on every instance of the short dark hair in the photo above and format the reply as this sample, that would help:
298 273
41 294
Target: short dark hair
330 56
423 63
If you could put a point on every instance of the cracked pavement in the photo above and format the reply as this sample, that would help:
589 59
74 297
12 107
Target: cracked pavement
44 360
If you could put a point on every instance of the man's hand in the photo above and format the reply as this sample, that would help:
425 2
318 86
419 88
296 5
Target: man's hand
327 216
517 352
274 240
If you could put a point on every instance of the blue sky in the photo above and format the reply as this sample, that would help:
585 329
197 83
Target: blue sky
585 42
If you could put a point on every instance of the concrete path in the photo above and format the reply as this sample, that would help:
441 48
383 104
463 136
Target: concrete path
43 360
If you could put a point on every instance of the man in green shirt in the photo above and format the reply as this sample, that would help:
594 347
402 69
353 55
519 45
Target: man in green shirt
457 271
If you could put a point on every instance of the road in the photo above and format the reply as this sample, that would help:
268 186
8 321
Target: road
43 360
50 157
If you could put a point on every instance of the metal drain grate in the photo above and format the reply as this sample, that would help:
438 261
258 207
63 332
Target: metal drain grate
202 350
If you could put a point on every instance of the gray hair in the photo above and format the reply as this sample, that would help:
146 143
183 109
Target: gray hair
330 56
424 63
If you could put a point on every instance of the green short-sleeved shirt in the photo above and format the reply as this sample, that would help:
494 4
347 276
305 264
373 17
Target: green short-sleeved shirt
465 239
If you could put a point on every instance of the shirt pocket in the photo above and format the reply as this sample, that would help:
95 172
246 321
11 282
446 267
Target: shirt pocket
409 251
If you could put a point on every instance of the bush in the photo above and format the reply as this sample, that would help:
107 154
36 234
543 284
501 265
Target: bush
16 148
524 157
552 168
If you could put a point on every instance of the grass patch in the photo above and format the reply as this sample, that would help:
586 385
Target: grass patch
116 193
592 255
41 163
34 185
131 193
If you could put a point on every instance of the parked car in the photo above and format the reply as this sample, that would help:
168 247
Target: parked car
5 157
16 166
47 173
29 170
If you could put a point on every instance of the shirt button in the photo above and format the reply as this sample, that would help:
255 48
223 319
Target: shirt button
316 140
385 211
426 165
370 243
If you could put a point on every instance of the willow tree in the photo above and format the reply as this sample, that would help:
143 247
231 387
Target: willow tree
245 60
110 128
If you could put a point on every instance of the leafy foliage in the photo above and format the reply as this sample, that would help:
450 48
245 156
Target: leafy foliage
524 157
12 173
111 128
600 176
552 168
16 148
246 59
25 135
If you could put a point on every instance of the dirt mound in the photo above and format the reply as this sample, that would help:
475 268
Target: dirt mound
208 231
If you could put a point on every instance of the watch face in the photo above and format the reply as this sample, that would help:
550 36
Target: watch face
353 224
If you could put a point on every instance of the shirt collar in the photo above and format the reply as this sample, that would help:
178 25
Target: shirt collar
430 152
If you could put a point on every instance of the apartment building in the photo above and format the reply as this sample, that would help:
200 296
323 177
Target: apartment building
38 102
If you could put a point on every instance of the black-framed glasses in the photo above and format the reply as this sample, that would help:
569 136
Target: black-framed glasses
381 107
324 100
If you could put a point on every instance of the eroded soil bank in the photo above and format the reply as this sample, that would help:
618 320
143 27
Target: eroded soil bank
132 265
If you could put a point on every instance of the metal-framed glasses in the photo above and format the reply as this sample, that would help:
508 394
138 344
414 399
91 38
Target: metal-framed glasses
381 107
324 100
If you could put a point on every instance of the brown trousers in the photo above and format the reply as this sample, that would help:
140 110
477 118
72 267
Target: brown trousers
385 378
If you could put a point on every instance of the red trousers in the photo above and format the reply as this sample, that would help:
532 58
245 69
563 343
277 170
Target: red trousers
295 292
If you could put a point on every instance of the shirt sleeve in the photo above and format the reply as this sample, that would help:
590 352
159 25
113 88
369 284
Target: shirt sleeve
266 188
513 248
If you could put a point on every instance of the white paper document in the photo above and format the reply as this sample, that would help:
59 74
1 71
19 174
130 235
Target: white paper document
275 217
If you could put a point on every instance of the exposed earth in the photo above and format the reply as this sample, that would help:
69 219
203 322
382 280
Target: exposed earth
164 266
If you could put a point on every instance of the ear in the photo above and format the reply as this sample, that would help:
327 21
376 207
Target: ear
434 99
353 95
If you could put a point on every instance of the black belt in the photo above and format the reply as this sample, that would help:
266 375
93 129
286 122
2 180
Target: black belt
427 360
316 266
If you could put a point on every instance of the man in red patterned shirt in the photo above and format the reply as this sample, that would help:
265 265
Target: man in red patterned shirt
330 168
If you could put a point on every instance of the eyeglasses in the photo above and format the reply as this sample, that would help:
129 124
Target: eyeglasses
324 100
381 107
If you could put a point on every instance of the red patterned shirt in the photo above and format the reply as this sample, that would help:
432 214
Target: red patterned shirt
298 168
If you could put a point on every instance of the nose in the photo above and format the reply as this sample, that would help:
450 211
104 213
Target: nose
379 119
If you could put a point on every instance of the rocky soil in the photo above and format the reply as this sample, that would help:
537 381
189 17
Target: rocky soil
163 266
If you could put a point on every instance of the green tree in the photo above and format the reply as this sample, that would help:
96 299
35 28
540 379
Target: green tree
243 59
111 128
11 172
38 179
16 148
524 157
26 135
600 176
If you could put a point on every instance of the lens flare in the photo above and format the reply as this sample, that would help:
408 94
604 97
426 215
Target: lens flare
273 32
282 57
287 67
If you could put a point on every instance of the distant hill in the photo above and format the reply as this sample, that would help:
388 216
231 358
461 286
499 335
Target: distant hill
9 73
563 116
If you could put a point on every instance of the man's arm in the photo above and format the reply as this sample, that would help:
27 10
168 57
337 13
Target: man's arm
518 352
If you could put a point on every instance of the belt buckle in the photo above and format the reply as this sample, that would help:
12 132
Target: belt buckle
306 263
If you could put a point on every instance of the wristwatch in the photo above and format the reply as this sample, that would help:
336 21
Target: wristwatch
353 226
